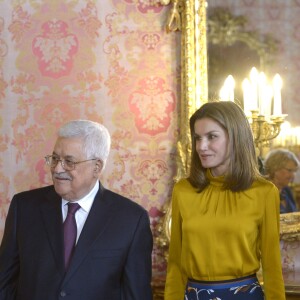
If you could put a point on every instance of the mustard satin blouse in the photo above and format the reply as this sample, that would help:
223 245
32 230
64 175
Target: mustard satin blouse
219 235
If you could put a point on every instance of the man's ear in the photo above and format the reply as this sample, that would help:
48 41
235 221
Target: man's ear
98 167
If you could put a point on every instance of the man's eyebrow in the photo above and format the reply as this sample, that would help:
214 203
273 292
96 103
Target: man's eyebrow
67 156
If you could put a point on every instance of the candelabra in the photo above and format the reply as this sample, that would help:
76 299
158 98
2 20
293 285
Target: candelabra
288 138
264 130
262 105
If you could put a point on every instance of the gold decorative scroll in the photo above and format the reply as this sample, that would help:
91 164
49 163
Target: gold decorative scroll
201 80
290 226
193 76
174 19
189 16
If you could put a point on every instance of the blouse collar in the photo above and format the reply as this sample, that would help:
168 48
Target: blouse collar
215 180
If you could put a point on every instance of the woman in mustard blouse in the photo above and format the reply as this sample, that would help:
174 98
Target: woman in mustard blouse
225 216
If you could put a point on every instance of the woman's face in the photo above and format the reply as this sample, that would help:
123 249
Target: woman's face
285 175
212 145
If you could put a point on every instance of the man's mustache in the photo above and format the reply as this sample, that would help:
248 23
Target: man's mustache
62 175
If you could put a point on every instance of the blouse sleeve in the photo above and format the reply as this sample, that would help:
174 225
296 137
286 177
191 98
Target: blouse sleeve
270 248
175 282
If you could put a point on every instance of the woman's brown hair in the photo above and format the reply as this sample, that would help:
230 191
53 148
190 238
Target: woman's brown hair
243 167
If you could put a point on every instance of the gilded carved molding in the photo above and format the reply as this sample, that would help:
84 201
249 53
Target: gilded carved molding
174 19
290 226
189 16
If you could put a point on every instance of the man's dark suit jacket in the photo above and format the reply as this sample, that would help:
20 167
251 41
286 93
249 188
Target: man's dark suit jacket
112 258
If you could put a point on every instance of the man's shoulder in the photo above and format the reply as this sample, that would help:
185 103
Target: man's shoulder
122 201
35 192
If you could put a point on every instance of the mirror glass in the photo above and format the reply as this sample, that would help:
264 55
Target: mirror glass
234 50
245 34
272 46
219 69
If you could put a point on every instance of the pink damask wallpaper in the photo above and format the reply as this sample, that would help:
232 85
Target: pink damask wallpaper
110 61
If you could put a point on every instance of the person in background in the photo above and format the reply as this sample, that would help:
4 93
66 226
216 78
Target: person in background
280 166
225 215
76 239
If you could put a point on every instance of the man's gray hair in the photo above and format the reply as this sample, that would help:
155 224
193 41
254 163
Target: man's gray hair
95 136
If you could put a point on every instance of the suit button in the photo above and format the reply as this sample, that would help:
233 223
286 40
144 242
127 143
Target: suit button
63 294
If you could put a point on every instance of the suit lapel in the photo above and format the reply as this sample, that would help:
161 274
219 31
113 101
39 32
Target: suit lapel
52 216
95 224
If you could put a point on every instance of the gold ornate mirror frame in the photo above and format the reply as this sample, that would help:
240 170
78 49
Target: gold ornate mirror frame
189 16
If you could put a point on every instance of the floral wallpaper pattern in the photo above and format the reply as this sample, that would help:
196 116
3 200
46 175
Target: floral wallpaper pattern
110 61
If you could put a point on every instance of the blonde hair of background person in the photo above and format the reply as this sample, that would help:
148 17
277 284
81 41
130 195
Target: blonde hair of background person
225 215
280 166
276 159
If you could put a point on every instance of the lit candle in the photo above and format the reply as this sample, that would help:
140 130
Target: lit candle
247 95
223 93
285 130
294 136
230 83
227 90
277 85
254 83
267 94
297 133
261 92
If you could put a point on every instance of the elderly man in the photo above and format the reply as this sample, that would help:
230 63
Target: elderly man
75 239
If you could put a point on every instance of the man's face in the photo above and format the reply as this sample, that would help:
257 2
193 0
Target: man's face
75 184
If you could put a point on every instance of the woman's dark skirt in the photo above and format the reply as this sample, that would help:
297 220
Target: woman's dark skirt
245 288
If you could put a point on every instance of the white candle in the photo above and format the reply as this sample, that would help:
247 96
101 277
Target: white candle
254 86
294 135
230 83
297 133
277 85
247 95
223 94
227 90
267 94
285 129
261 92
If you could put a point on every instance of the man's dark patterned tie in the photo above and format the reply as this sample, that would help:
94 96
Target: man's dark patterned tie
70 232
